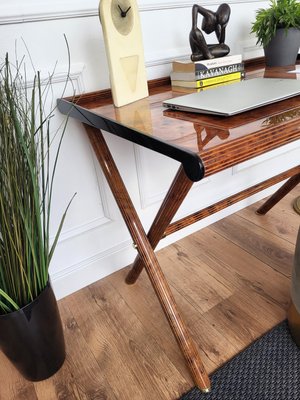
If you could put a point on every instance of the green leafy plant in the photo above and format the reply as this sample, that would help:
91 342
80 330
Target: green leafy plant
26 187
281 14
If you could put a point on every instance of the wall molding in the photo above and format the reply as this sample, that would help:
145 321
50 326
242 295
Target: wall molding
166 60
122 246
82 229
17 12
61 75
91 269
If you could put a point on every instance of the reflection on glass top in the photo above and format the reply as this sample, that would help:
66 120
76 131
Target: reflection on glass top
196 132
212 131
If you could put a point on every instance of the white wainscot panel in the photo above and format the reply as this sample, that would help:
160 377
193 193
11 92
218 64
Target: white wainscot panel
95 241
93 215
269 164
155 174
76 173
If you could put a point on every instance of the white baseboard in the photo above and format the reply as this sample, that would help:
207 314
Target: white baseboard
79 275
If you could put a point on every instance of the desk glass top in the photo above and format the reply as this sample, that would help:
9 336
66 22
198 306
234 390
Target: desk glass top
219 142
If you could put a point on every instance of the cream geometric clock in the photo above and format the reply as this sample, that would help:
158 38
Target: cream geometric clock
124 48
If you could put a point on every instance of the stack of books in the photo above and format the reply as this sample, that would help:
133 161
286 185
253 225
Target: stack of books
195 76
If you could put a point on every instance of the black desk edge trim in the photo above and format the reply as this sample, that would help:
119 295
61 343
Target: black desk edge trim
192 163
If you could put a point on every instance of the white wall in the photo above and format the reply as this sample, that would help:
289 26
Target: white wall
95 241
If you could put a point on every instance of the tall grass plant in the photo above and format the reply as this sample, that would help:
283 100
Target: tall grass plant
26 188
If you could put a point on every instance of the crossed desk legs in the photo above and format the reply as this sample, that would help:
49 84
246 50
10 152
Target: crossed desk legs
145 246
279 194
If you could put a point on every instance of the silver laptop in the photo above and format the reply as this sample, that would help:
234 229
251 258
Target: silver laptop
237 97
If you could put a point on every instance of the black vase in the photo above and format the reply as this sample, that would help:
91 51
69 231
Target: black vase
32 337
283 48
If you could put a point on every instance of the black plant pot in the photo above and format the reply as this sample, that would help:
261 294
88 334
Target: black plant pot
293 313
32 337
283 48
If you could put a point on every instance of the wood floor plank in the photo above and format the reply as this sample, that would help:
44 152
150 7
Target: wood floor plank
266 246
142 301
215 347
203 290
231 282
235 320
76 379
240 268
141 298
156 366
281 220
218 343
253 286
94 325
114 330
12 385
48 390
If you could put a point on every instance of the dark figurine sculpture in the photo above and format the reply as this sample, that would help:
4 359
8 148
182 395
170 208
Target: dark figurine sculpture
212 21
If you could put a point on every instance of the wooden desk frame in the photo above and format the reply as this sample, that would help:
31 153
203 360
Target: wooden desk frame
191 170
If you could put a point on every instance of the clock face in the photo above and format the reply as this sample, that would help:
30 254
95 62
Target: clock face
122 16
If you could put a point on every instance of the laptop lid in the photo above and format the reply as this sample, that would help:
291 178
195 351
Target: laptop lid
237 97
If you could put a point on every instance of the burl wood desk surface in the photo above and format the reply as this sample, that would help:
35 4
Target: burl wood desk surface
201 142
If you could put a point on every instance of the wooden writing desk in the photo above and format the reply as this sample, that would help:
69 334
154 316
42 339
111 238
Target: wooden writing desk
203 145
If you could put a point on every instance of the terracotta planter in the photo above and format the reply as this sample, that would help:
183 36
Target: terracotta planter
294 310
283 48
32 337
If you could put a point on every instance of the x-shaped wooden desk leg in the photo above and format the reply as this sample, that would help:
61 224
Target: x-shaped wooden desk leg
279 194
174 198
146 252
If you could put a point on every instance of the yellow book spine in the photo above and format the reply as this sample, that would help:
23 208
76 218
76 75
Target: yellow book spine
192 90
219 79
209 81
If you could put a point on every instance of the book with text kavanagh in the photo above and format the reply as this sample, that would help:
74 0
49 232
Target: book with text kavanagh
190 66
207 73
193 90
208 81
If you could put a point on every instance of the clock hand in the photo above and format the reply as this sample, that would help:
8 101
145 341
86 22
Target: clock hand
124 13
120 9
127 9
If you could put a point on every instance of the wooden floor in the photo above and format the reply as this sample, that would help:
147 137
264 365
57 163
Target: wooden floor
231 281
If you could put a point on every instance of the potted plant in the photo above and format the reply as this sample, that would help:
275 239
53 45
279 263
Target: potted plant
31 332
278 29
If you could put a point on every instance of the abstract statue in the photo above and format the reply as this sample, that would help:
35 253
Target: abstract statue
212 22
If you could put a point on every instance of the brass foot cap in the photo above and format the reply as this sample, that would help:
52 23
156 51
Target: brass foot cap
205 390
